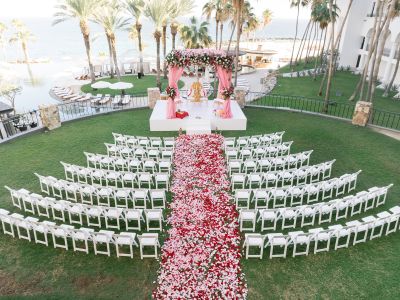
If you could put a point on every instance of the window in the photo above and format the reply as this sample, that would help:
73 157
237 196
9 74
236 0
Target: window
362 43
358 61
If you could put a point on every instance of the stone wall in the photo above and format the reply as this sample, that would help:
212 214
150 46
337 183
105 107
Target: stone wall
240 96
153 95
362 112
50 116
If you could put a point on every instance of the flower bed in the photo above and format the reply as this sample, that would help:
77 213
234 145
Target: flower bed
201 257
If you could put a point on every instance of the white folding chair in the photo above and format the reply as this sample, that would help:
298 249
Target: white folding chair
299 238
242 196
148 240
247 215
133 215
61 232
254 240
125 239
340 233
81 235
112 214
277 240
320 236
103 237
157 198
153 215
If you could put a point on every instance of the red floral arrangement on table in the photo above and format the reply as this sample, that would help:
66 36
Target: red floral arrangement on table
171 92
227 92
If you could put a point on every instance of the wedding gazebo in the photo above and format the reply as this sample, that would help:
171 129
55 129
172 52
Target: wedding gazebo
222 62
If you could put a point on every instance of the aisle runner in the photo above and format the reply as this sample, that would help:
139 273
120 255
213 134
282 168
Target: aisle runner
201 257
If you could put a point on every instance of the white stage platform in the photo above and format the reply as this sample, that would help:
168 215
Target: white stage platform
200 114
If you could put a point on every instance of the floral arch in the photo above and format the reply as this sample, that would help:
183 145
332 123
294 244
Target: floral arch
222 62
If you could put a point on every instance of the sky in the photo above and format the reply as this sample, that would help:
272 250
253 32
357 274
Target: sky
45 8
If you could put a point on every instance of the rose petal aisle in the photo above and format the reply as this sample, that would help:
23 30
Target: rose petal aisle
201 257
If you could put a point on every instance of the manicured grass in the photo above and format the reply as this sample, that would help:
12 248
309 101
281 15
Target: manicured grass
298 67
343 86
139 85
364 271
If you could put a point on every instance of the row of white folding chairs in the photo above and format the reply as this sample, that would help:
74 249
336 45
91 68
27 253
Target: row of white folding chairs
89 175
101 161
143 141
288 162
273 150
94 215
254 140
140 153
103 196
354 232
308 215
80 237
296 195
299 176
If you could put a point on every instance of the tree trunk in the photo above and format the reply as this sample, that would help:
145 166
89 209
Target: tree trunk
371 90
221 26
110 56
25 51
372 49
230 39
295 35
316 57
164 42
114 54
85 33
238 29
216 32
331 58
310 43
339 37
173 40
302 42
157 36
396 68
139 33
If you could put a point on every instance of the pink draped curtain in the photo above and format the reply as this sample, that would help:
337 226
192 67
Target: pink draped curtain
225 78
173 77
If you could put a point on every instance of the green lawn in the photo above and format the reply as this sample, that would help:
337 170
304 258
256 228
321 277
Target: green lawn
299 67
365 271
139 85
343 85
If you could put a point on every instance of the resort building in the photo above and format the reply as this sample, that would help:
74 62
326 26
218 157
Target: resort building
356 38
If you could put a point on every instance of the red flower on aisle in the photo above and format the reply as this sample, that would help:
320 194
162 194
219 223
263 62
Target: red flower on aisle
201 257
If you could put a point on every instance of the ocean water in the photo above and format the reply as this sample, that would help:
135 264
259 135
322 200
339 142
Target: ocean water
62 46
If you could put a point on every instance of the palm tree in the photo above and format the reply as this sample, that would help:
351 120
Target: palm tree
251 24
225 14
181 7
296 3
135 9
208 9
3 42
195 35
22 35
267 17
157 11
392 13
109 16
82 10
238 5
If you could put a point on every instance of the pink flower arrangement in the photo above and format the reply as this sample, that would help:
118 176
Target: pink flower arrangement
201 57
171 92
227 92
201 257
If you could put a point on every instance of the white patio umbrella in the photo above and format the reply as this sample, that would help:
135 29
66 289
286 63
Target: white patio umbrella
101 85
121 86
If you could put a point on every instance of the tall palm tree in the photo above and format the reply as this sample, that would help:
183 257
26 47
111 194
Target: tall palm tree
296 3
3 41
180 8
266 17
225 14
109 16
195 35
135 9
214 6
238 5
392 13
22 35
157 11
251 24
388 87
82 10
331 58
